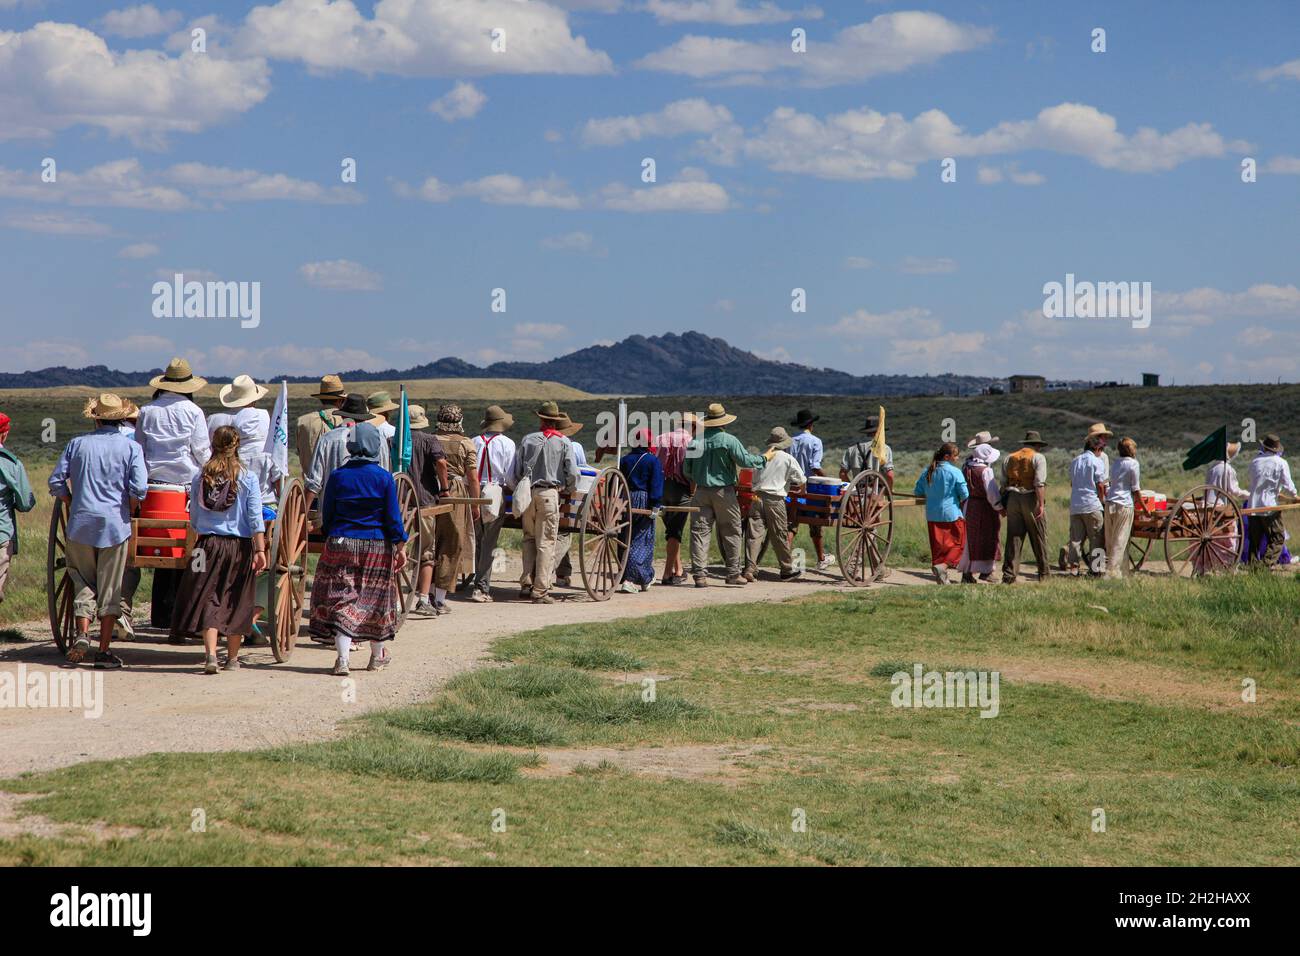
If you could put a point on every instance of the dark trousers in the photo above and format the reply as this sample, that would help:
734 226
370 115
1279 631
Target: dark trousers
1267 526
1021 523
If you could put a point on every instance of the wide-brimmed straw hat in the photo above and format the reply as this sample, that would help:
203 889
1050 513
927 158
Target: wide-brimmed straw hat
417 416
1034 439
354 407
1096 429
550 411
1271 443
108 407
567 426
1233 448
179 377
241 392
331 386
779 439
496 419
716 416
982 438
804 417
380 403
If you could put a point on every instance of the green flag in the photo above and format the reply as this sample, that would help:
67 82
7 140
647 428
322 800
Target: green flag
1211 448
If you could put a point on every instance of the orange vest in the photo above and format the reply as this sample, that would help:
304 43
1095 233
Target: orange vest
1020 468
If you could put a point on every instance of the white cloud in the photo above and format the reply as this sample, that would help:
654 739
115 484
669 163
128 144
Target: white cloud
858 262
191 275
1205 305
864 324
138 250
249 185
939 353
691 192
728 12
502 189
988 175
583 242
429 38
56 224
463 101
1289 70
341 275
540 330
141 21
916 265
889 43
682 116
724 305
1285 165
58 75
31 356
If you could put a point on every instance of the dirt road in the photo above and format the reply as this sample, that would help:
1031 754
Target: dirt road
161 701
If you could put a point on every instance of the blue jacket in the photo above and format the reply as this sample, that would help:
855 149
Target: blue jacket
944 493
360 501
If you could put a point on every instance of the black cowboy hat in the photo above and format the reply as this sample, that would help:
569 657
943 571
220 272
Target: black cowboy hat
803 418
355 408
872 423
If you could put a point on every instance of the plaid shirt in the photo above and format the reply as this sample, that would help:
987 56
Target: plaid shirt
671 449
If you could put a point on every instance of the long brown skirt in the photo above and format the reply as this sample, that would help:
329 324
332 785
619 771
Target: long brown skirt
221 595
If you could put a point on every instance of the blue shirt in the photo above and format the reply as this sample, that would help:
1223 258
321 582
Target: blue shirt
944 493
360 501
1087 471
243 519
806 449
103 470
644 472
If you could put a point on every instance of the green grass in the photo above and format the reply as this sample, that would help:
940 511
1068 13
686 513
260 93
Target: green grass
1136 711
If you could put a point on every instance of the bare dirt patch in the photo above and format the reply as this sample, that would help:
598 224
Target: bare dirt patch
14 823
715 762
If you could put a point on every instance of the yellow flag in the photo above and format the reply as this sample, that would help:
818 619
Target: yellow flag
878 443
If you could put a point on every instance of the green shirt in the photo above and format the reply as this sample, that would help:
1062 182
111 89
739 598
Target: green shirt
15 494
711 461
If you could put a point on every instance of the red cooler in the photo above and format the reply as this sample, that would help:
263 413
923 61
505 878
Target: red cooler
170 502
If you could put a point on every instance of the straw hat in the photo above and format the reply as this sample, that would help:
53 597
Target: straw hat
982 438
716 416
779 439
496 419
550 411
331 386
242 391
1033 439
380 403
179 377
1098 429
110 408
1233 448
417 417
567 426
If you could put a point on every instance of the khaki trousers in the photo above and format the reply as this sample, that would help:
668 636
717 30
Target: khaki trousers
720 506
1268 526
96 575
447 546
1021 523
767 522
1086 538
541 529
1119 524
6 549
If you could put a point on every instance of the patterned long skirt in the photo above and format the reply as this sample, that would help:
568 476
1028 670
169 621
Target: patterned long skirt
355 591
641 555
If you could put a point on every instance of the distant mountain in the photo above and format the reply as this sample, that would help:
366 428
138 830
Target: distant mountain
688 364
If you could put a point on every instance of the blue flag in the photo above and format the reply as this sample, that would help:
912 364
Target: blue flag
400 459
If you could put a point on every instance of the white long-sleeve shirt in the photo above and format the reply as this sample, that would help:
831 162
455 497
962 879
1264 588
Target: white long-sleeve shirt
779 475
1269 474
1222 475
173 434
499 465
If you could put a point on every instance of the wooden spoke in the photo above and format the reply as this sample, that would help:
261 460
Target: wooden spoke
59 589
288 570
1137 553
408 504
864 528
604 534
1203 538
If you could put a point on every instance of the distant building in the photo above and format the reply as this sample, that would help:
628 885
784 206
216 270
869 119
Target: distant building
1150 379
1027 383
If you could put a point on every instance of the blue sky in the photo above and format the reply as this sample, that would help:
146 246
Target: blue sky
521 170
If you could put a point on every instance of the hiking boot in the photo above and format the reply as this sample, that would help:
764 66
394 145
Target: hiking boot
525 594
790 575
441 608
340 667
750 576
79 649
210 664
737 580
423 608
968 578
543 599
701 581
379 661
562 582
232 664
107 661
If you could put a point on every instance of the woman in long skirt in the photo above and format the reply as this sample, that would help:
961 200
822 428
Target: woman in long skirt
645 480
217 588
944 490
983 548
354 596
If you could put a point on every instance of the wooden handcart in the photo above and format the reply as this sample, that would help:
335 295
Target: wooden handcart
1201 532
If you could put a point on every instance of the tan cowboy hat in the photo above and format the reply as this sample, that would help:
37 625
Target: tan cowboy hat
496 419
241 392
417 416
1271 443
716 416
1098 429
380 403
982 438
568 427
110 408
331 386
779 439
179 377
550 411
1233 448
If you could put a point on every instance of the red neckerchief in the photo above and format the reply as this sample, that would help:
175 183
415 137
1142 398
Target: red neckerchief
552 433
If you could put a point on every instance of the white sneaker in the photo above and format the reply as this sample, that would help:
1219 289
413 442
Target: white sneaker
627 587
825 562
340 667
423 608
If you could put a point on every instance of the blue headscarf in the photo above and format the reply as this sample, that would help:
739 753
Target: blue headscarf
364 443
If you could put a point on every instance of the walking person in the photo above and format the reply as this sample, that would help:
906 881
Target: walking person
310 427
768 523
332 446
354 596
100 475
428 470
381 405
217 593
496 462
945 491
670 446
1270 477
1222 476
859 457
1089 474
1123 493
1024 477
544 464
983 546
453 533
15 495
806 449
711 464
564 560
645 482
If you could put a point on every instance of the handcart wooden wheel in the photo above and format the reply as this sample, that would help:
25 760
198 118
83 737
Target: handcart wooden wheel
287 565
408 503
59 588
604 534
864 528
1203 538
